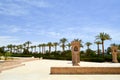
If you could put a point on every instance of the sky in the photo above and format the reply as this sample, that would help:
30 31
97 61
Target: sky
42 21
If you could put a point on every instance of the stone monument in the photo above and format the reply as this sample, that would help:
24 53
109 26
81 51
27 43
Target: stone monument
114 53
75 52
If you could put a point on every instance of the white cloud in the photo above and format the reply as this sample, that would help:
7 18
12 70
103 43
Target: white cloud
10 28
96 29
54 33
12 9
33 3
5 40
115 35
15 29
20 7
37 3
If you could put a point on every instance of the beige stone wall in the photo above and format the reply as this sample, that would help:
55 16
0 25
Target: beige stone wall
85 70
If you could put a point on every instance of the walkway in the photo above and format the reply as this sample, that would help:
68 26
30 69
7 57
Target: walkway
40 70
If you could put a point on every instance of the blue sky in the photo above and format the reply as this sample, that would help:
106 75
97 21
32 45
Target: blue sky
42 21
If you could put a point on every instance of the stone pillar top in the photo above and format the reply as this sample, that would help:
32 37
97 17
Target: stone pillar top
114 47
75 43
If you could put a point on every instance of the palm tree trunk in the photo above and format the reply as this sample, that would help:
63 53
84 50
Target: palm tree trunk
32 50
103 48
87 47
35 49
98 50
42 49
39 49
49 49
69 48
55 48
63 47
11 50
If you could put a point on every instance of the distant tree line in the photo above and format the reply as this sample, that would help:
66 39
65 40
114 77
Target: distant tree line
50 50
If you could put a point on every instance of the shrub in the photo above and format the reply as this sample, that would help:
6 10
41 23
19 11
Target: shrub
93 59
22 55
108 58
1 54
90 52
7 54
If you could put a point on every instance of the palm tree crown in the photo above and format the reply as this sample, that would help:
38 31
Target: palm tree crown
49 45
63 41
88 44
103 36
28 43
40 45
69 45
43 47
55 44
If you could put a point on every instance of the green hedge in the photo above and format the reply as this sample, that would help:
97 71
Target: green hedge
66 55
93 59
21 55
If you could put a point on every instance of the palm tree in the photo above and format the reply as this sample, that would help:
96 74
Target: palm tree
28 44
98 43
19 48
88 44
49 45
43 47
3 48
24 45
103 36
14 46
32 48
7 48
81 45
55 44
119 47
114 44
10 47
35 48
40 45
63 41
69 45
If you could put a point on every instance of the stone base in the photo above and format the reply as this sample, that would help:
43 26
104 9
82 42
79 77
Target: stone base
76 64
114 61
85 70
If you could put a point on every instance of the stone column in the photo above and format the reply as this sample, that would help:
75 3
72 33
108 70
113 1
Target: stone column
114 53
75 52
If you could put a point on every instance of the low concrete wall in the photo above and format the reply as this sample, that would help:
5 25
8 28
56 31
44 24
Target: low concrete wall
85 70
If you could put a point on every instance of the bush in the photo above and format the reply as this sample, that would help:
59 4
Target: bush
90 52
1 50
22 55
1 54
7 54
108 58
66 55
93 59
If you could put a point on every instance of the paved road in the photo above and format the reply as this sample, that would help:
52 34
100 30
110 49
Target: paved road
40 70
